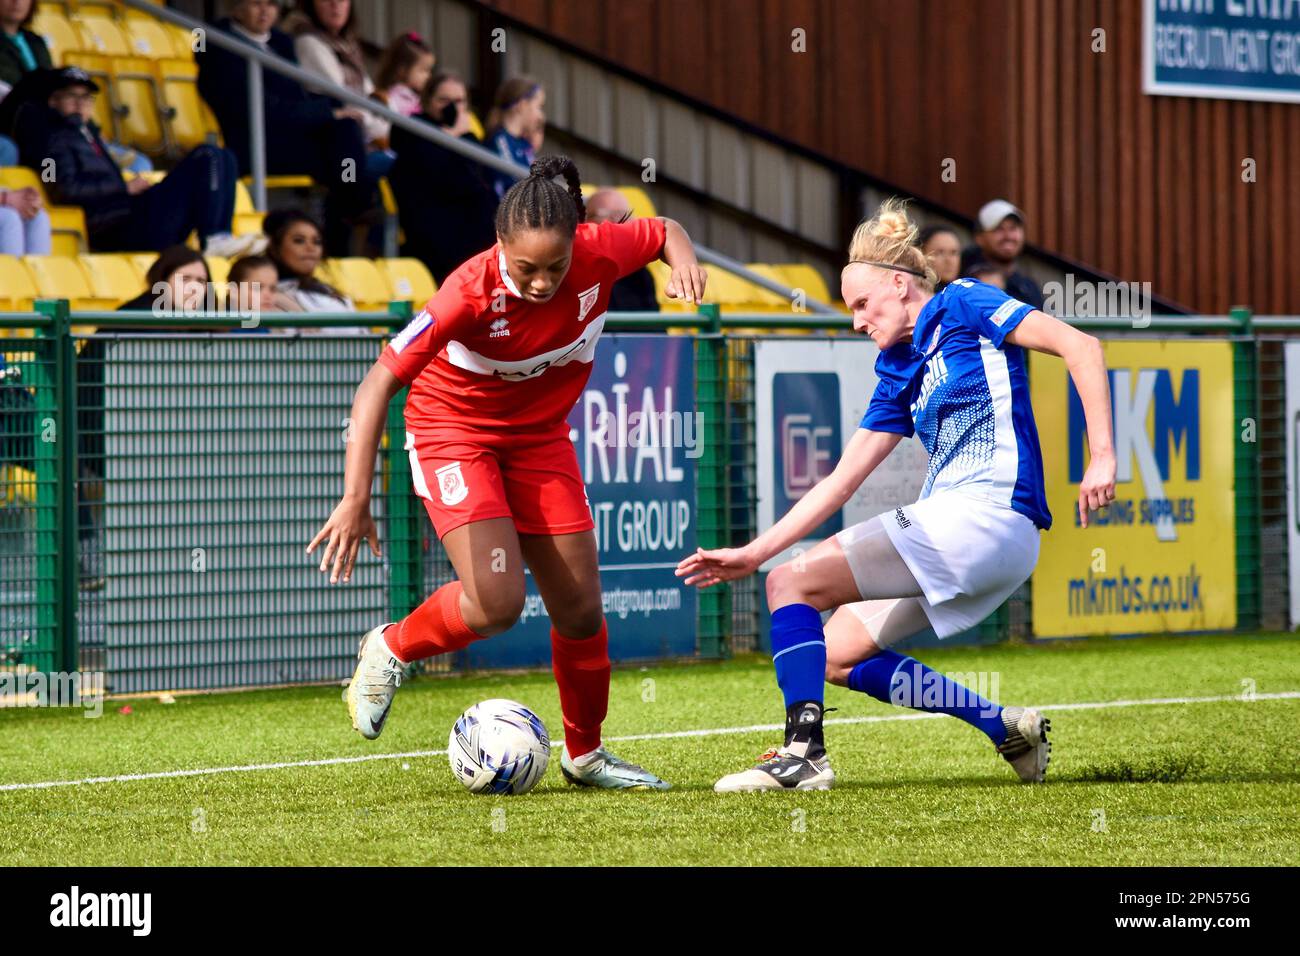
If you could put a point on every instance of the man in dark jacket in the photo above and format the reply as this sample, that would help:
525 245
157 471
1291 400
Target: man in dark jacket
57 138
445 201
305 133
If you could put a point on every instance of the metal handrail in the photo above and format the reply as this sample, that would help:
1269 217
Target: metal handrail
259 59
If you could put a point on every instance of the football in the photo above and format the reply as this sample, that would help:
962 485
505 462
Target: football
499 746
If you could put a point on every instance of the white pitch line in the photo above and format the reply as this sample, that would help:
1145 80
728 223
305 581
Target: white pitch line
667 735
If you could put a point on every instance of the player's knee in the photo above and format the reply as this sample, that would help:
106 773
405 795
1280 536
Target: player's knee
497 613
786 585
581 621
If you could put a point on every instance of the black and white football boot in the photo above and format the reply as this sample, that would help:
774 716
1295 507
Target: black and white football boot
801 764
1026 747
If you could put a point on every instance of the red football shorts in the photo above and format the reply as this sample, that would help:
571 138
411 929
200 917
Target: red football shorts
473 477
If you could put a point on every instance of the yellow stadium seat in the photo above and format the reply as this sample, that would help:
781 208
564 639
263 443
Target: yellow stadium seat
588 189
136 101
763 300
61 277
408 281
101 35
189 119
142 261
17 290
361 281
97 65
131 13
218 270
800 275
476 125
182 41
67 223
642 207
57 32
148 38
285 181
112 277
17 484
247 220
107 9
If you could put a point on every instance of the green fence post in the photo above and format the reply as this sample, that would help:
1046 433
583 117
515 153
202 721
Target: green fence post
406 579
711 506
57 575
1246 484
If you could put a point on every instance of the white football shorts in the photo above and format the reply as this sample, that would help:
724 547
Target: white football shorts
968 555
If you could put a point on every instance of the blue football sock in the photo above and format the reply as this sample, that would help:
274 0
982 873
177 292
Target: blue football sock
906 682
799 653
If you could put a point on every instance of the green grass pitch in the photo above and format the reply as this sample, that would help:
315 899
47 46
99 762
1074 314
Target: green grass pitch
1213 783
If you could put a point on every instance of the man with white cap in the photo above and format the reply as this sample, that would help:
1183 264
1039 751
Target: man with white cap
999 238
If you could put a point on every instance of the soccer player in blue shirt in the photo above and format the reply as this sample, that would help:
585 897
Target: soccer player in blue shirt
952 370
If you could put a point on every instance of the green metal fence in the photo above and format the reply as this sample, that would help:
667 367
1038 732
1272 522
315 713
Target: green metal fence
159 486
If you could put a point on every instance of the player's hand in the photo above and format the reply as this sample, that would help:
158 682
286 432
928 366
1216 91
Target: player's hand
1098 487
707 568
687 283
137 185
347 527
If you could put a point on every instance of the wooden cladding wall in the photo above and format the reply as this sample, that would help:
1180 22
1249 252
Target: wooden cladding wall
1148 188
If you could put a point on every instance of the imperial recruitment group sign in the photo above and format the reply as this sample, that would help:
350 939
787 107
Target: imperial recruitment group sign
1225 49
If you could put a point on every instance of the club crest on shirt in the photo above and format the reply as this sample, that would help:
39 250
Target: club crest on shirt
451 484
586 300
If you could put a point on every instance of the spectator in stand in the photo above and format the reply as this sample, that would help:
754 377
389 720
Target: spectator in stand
197 195
517 125
635 292
24 223
404 72
304 133
446 202
1000 238
178 281
23 52
296 248
251 287
942 247
327 42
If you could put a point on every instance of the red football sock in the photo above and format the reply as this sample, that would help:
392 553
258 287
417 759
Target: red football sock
435 627
581 667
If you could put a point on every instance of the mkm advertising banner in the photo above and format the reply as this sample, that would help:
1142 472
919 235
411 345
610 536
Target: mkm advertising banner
1162 556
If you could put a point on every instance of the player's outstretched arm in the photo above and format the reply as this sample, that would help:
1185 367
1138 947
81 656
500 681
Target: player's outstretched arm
1087 366
351 523
865 450
687 280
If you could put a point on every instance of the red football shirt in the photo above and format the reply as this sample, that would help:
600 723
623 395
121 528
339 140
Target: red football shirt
520 364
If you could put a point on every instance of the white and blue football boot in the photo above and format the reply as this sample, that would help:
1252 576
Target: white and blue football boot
370 692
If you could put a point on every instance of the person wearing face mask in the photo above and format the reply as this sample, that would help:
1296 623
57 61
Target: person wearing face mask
951 369
445 202
495 362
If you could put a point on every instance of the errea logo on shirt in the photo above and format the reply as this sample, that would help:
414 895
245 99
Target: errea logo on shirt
499 329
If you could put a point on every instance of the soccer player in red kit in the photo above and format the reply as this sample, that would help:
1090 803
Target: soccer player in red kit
495 362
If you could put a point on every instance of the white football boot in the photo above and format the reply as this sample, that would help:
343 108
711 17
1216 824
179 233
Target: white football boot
370 692
801 764
1026 747
780 770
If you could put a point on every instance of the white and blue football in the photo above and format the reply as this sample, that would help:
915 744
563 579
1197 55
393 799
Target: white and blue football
499 746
